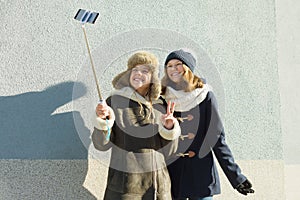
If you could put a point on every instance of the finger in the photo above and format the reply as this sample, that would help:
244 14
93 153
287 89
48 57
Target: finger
169 108
103 108
99 110
172 107
243 192
250 191
99 113
102 114
246 191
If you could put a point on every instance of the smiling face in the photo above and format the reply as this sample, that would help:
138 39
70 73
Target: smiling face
140 79
175 70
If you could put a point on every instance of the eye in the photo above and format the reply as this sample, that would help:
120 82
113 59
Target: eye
178 64
145 71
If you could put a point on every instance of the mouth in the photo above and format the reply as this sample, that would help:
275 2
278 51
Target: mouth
175 74
138 80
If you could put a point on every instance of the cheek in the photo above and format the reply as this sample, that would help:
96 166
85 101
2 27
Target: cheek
180 69
130 79
130 76
148 78
168 72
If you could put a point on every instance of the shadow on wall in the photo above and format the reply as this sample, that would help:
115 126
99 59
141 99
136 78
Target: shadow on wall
29 131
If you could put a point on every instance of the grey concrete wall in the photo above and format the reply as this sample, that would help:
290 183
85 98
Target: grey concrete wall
45 150
288 40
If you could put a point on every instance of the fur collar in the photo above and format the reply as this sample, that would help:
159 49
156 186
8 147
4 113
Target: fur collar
185 101
130 93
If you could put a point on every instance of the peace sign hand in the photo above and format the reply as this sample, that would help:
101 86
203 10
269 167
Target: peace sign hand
168 119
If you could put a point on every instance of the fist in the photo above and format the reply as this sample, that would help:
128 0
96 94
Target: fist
102 110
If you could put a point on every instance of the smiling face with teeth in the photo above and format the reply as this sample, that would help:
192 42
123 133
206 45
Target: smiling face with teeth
175 70
140 79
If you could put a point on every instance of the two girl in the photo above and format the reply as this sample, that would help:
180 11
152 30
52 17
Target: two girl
144 134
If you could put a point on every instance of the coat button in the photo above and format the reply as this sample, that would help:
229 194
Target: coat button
190 154
189 136
188 117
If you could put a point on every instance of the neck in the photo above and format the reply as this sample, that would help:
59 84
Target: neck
178 86
143 91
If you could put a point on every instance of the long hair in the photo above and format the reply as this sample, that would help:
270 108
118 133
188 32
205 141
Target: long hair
189 81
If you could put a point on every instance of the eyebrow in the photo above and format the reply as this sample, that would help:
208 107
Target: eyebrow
178 62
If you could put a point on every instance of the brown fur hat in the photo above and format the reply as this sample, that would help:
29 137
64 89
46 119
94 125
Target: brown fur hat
139 58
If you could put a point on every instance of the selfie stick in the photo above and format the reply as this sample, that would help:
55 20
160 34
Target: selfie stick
84 17
90 17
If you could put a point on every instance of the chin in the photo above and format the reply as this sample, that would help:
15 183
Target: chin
136 87
175 80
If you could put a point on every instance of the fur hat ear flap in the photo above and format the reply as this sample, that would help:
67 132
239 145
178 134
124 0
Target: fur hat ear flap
155 88
121 80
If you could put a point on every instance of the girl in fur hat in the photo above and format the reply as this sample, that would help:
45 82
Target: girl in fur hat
194 174
134 125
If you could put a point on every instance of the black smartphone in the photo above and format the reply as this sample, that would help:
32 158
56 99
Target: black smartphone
85 16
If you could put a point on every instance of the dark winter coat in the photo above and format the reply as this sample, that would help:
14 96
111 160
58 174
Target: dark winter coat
196 175
139 147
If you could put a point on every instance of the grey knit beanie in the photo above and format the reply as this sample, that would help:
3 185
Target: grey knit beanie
187 58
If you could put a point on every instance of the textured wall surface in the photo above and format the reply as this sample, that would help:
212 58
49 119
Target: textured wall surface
288 40
248 51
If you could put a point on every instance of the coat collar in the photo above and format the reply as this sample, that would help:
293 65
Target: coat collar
185 101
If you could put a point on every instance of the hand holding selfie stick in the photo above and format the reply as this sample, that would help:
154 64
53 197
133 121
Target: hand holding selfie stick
84 17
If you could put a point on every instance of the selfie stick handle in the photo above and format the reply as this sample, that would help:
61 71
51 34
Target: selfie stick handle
92 63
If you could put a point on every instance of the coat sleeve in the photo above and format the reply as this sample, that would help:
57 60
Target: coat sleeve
220 148
168 148
168 138
171 134
99 140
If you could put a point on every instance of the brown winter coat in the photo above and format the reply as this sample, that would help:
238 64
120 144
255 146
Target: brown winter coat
139 148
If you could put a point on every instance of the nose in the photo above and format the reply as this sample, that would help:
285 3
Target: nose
137 72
